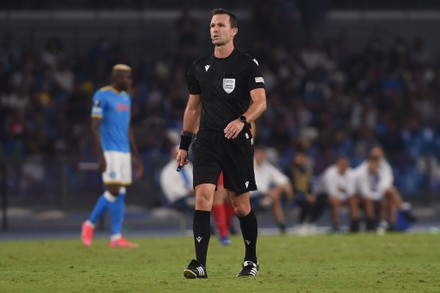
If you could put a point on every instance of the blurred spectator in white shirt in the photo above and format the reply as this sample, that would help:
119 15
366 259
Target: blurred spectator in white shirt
63 77
272 185
177 187
378 188
337 184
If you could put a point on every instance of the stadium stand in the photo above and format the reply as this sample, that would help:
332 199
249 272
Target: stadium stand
338 95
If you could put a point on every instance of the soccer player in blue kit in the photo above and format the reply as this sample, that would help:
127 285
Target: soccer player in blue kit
115 145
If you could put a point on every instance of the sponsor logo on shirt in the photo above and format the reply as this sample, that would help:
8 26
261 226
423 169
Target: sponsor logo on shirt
122 107
207 67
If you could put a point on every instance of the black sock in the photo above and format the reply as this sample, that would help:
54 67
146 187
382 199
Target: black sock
370 224
354 225
202 233
282 227
304 211
249 229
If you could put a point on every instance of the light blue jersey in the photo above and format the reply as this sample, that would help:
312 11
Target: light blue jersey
114 110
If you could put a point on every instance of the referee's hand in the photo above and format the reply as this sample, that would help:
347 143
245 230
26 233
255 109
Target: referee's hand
181 158
233 129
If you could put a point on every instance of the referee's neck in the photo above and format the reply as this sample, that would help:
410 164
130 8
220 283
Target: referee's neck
223 51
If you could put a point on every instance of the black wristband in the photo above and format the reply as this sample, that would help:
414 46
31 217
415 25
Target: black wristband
185 140
187 133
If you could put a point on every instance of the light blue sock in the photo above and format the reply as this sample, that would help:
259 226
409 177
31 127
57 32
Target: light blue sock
117 212
104 201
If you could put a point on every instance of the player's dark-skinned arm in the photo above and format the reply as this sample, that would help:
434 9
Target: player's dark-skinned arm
191 120
257 107
135 154
96 128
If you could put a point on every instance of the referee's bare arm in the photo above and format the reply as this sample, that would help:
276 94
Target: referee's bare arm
257 107
191 119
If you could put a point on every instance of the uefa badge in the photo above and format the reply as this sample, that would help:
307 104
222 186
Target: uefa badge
228 85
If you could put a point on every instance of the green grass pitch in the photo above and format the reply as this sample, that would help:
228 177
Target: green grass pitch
327 263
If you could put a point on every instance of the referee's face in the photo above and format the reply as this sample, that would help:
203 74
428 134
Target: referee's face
221 31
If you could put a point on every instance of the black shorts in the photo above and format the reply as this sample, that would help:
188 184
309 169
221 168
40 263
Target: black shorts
214 153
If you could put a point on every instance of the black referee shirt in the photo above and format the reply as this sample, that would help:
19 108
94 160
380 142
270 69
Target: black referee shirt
223 85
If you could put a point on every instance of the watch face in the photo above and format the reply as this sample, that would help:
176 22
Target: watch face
243 119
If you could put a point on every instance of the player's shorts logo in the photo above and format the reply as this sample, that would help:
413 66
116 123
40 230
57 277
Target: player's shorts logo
228 85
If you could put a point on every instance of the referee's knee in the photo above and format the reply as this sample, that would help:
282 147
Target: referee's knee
203 203
242 209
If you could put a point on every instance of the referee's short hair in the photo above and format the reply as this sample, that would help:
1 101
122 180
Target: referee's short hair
232 18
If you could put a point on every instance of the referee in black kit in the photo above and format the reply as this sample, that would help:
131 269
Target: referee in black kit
226 94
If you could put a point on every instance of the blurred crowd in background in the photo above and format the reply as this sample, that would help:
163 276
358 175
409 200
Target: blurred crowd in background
322 95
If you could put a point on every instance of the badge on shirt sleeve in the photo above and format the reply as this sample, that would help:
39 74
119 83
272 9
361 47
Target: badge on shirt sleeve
228 85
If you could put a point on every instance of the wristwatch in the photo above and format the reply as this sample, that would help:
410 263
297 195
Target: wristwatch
243 119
